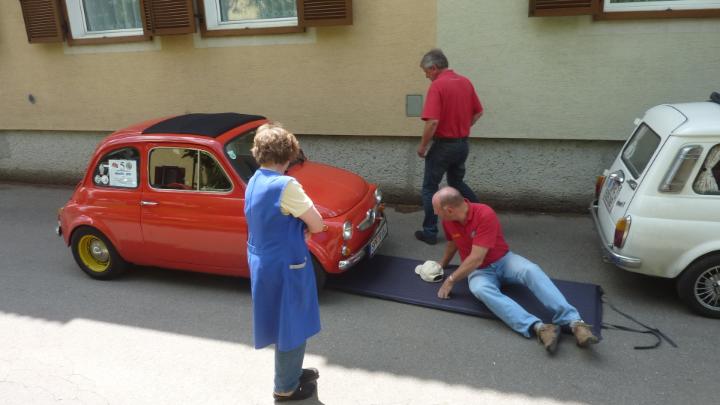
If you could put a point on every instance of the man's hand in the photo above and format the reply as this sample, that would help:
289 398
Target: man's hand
445 288
422 151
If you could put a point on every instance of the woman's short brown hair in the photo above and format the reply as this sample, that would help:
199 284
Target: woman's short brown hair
274 144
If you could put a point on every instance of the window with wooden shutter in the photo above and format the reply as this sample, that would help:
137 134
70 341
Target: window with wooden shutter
545 8
43 21
167 17
314 13
258 17
248 17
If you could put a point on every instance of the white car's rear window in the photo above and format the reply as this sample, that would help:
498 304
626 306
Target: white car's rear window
640 149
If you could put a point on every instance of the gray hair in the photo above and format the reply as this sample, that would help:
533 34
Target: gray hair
435 57
449 197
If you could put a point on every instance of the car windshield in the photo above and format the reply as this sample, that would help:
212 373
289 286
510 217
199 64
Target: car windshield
238 151
640 149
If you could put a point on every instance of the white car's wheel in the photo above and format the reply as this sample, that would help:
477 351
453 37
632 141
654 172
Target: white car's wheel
699 286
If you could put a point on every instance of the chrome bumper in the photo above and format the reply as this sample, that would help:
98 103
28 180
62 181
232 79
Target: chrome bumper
608 253
354 259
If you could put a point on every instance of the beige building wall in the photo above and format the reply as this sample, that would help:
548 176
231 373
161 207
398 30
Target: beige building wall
560 93
348 80
572 77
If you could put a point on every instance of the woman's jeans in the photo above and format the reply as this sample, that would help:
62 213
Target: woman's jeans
444 156
514 269
288 368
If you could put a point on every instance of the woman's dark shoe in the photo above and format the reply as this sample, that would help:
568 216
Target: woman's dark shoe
303 391
309 375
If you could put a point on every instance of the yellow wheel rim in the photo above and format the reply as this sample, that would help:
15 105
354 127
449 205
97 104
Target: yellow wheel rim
94 253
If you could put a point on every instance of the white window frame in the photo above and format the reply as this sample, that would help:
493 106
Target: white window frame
660 5
78 26
213 19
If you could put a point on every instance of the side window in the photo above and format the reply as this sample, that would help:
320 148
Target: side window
118 168
708 178
212 175
186 169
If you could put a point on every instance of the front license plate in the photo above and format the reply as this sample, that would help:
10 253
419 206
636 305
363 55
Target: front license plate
611 193
378 238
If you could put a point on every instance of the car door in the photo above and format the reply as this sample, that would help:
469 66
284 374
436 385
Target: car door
192 212
633 163
112 198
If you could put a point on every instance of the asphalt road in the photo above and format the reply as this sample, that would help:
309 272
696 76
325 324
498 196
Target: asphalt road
163 337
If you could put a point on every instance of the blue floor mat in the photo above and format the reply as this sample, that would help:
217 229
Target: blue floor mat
394 278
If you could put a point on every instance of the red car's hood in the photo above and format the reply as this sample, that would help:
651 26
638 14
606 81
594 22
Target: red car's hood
334 191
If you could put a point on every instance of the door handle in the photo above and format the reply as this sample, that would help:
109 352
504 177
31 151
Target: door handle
144 203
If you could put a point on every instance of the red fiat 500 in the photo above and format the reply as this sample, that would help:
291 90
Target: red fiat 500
170 193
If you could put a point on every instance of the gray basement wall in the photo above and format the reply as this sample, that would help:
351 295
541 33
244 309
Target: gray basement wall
509 174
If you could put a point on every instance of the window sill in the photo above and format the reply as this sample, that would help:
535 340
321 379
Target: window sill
638 15
144 46
307 37
231 32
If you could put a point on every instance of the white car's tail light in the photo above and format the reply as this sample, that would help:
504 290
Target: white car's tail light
599 182
622 228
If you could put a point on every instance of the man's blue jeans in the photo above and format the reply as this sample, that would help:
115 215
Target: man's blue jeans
288 368
444 157
514 269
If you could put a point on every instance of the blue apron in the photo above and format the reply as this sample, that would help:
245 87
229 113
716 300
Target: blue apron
285 302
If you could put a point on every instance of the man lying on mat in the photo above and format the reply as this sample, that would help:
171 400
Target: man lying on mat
488 263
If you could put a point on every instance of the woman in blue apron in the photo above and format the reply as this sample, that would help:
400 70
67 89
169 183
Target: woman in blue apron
285 304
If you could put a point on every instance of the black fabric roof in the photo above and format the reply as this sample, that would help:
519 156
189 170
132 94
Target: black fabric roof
212 125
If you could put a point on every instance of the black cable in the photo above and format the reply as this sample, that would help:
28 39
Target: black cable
653 331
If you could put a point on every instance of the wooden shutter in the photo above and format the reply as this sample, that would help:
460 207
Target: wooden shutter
167 17
43 21
543 8
314 13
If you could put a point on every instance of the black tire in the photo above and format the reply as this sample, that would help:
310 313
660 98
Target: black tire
699 286
95 255
320 274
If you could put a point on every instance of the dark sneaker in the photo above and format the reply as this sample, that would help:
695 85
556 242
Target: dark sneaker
303 391
583 334
421 236
548 335
309 375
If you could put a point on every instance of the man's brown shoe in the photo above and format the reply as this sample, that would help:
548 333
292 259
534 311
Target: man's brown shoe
548 335
583 334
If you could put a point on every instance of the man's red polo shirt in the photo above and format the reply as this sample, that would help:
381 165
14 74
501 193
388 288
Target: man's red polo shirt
481 228
451 99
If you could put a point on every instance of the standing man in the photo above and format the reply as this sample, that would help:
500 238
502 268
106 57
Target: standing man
451 108
488 263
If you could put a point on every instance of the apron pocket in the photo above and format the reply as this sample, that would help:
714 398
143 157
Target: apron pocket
299 266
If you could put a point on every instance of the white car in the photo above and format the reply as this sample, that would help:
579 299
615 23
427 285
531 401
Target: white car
658 207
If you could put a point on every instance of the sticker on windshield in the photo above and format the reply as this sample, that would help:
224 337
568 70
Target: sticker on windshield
232 155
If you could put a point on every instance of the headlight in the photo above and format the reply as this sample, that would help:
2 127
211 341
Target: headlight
378 197
347 230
